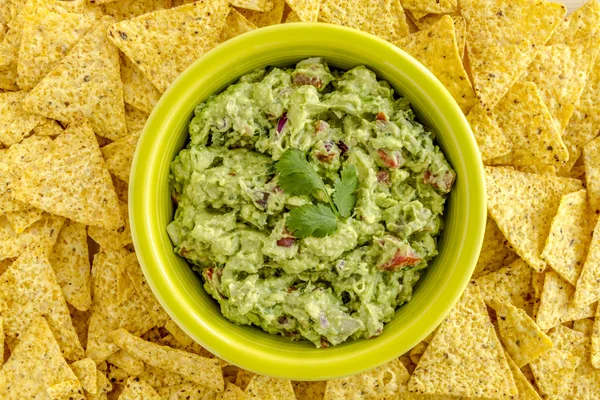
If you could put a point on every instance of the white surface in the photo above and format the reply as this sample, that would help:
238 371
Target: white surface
573 5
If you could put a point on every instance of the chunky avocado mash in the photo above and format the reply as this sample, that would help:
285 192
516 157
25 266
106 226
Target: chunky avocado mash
233 217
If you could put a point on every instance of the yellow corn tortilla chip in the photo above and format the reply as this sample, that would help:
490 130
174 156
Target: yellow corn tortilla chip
569 237
127 9
164 43
119 155
78 6
585 326
256 5
153 307
582 24
439 42
66 390
541 169
16 122
261 387
510 284
116 239
235 25
460 29
490 139
192 391
49 128
136 119
503 38
431 6
85 371
137 89
137 389
200 370
21 220
103 384
561 71
417 352
419 15
71 179
465 357
307 10
537 284
309 390
587 290
523 206
494 254
591 160
520 335
126 362
71 264
243 378
158 378
35 364
595 341
178 333
108 313
87 82
260 19
43 234
47 38
524 386
526 121
116 375
556 303
554 370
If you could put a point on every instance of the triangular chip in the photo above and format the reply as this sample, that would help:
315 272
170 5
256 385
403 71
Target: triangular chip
49 128
16 122
21 220
153 307
126 362
66 390
526 390
264 387
87 82
503 37
137 389
71 264
582 24
127 9
554 370
85 371
437 43
526 121
556 304
188 391
569 237
70 179
584 326
136 119
43 234
119 155
587 290
591 160
115 239
523 206
522 338
510 284
164 43
235 25
307 390
158 378
465 357
137 89
34 365
560 71
260 19
431 6
256 5
47 38
307 10
200 370
490 139
494 254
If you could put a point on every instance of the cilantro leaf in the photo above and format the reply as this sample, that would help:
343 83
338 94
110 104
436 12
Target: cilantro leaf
296 175
344 197
311 220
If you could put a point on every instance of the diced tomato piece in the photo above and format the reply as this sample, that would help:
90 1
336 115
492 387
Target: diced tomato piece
303 79
209 273
381 116
281 123
401 260
286 242
388 158
321 126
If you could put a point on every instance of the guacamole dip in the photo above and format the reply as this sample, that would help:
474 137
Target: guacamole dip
310 201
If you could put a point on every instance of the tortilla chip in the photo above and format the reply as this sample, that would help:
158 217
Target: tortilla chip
137 89
591 160
262 387
526 121
306 10
503 38
524 386
126 362
465 357
420 15
523 206
587 290
196 369
570 235
119 155
35 364
261 19
309 390
439 42
137 389
188 391
127 9
158 378
21 220
595 341
49 128
460 29
16 122
1 341
556 304
522 338
153 307
108 313
561 72
71 264
136 119
103 384
116 239
431 6
582 24
47 38
78 6
66 390
85 371
585 326
235 25
43 234
511 285
554 370
256 5
70 179
164 43
243 378
417 352
494 254
88 82
116 375
490 139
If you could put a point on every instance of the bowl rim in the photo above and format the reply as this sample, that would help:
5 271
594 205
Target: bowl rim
329 364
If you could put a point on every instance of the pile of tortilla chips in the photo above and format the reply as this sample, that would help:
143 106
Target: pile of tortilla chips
77 82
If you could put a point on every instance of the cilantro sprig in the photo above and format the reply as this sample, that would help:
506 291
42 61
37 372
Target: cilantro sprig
297 177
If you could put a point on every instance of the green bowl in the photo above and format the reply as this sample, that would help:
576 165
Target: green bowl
180 290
